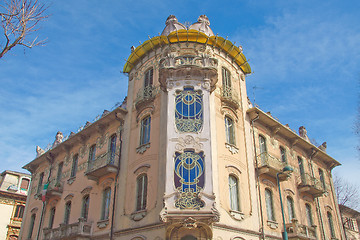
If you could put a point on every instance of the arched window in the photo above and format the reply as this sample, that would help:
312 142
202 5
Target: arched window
291 208
67 212
74 165
309 215
229 130
269 205
263 149
19 211
301 168
141 192
188 110
331 224
92 154
85 207
112 148
283 155
145 130
234 193
52 217
106 203
31 227
322 179
188 237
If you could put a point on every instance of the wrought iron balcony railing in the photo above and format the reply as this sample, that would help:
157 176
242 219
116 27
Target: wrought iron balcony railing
230 97
299 231
270 165
66 231
102 165
145 94
311 185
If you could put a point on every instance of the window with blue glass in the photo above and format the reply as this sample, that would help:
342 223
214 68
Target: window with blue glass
189 110
189 179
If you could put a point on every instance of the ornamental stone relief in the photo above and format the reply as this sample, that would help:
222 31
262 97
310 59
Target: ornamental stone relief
188 142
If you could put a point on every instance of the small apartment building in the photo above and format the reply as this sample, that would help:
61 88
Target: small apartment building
181 158
13 191
351 222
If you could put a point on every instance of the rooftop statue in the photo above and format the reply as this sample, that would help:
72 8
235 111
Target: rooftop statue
58 139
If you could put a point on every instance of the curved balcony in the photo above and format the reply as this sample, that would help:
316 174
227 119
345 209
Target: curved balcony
311 185
299 231
229 97
144 96
102 165
270 166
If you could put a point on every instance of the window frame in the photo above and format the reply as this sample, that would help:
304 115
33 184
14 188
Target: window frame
331 224
301 167
67 212
226 77
106 202
40 182
141 192
74 166
322 178
52 217
230 130
308 212
145 130
19 212
112 148
85 205
32 224
59 172
149 77
283 155
291 208
92 156
234 192
269 203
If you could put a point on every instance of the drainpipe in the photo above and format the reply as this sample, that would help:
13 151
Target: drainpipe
258 179
318 211
116 181
51 161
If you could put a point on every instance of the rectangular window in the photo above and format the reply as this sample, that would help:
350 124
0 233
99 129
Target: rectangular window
145 131
283 155
234 193
226 78
41 178
67 212
59 172
24 184
85 207
301 169
148 81
112 149
74 165
19 211
269 205
31 227
92 153
141 185
322 179
106 203
263 150
52 217
230 131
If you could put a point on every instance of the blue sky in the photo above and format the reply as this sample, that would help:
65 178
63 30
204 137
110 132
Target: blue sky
304 55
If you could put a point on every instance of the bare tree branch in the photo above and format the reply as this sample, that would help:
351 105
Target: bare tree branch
19 19
346 193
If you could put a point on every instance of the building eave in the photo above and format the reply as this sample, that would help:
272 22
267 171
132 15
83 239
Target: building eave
118 113
188 36
272 123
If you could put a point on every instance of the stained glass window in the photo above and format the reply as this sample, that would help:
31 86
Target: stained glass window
189 110
189 179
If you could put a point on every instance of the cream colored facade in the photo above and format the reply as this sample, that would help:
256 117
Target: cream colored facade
180 159
13 192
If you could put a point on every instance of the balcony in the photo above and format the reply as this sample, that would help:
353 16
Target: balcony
144 96
102 165
311 185
270 166
79 230
299 231
229 97
55 188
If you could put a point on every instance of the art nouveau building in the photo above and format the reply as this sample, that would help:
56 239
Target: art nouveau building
185 157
